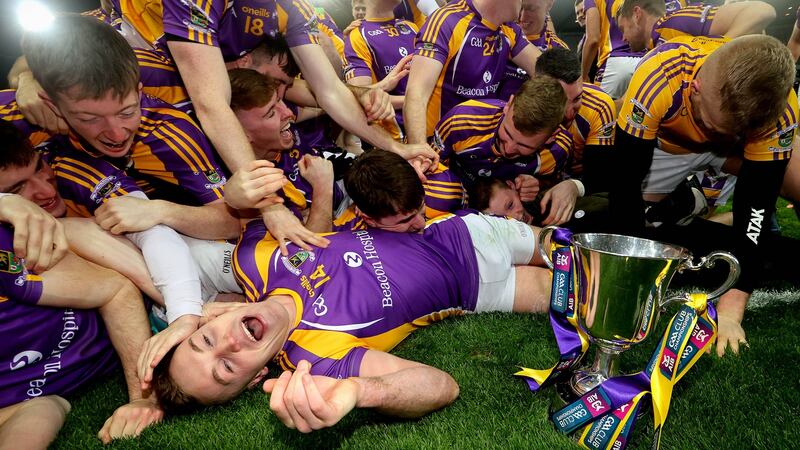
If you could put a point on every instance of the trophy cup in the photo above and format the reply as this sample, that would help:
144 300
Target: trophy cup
621 286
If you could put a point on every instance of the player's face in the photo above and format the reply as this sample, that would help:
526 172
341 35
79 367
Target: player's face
511 143
268 126
359 9
35 182
633 32
707 111
410 222
219 359
580 15
108 124
531 19
505 201
574 93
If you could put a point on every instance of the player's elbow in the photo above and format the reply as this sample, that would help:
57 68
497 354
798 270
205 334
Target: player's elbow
448 390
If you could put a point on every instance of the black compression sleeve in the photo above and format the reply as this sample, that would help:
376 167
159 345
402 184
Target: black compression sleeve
628 167
757 188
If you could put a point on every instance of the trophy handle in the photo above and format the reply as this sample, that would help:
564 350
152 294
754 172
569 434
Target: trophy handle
543 234
709 261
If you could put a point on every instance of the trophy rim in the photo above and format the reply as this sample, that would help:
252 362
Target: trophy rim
683 252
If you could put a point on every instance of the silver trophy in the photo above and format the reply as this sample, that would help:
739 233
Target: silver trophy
622 282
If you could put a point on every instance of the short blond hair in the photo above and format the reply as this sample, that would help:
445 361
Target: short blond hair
539 105
753 75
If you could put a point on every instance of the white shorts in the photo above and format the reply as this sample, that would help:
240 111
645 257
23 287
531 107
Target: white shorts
499 245
668 170
213 261
617 74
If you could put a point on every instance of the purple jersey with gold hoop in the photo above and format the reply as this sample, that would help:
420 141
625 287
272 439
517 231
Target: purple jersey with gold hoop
689 21
45 351
368 289
515 76
466 138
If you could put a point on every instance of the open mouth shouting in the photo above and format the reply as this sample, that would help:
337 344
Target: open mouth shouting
253 328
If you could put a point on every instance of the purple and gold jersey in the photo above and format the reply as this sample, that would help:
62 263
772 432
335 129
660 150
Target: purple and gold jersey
408 10
374 49
444 192
160 78
472 51
657 104
318 133
298 192
467 135
45 351
170 157
611 42
9 111
235 26
85 182
349 220
368 289
688 21
593 125
328 27
515 76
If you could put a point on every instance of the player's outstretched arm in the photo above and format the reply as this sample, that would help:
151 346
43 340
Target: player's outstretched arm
388 384
741 18
421 82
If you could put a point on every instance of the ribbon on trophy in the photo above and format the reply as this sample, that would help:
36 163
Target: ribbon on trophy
608 412
572 341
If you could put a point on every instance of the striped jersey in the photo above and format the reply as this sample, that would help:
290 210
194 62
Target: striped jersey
235 26
467 138
593 125
657 104
515 76
693 20
472 51
368 289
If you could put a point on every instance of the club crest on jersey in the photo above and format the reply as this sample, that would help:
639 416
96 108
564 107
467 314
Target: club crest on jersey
197 16
293 263
9 263
637 114
786 137
607 130
428 47
404 29
105 187
212 176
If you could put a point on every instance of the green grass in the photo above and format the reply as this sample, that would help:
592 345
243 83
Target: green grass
745 401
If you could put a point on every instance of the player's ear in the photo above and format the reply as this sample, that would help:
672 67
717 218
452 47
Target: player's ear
258 378
50 104
508 104
696 86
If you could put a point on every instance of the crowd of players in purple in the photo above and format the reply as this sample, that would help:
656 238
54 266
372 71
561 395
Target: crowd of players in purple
257 186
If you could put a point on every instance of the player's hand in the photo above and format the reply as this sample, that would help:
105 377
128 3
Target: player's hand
39 237
128 214
317 171
353 25
130 419
157 346
215 309
729 334
527 186
560 199
307 402
254 186
284 226
30 103
421 165
411 151
377 105
400 71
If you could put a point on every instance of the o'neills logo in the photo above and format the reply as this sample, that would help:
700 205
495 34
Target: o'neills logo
260 12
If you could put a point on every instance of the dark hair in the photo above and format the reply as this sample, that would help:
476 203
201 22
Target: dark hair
250 89
15 150
480 192
171 397
560 64
81 52
655 8
382 184
276 47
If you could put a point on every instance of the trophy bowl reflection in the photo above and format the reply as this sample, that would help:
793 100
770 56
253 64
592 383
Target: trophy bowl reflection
621 287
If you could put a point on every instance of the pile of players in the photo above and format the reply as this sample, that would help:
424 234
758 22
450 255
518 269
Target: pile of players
267 188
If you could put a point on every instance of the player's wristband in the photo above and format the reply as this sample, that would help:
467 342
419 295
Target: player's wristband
579 185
